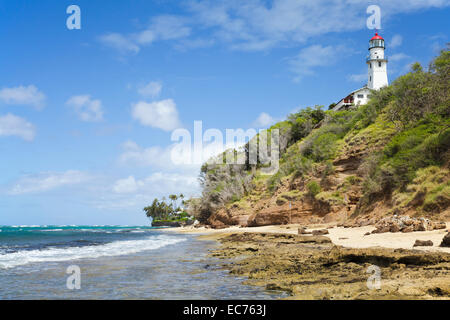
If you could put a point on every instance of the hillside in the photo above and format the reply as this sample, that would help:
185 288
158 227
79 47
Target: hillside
351 167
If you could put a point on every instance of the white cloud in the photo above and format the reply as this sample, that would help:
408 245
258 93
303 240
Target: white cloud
22 95
173 182
87 109
47 181
134 155
397 57
396 41
119 42
127 185
160 114
313 56
264 120
162 181
136 193
358 77
164 27
152 89
262 24
175 157
11 125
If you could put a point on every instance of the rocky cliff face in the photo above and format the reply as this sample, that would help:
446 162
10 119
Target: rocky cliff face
340 197
389 157
291 203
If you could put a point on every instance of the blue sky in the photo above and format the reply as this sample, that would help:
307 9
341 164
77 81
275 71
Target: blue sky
86 115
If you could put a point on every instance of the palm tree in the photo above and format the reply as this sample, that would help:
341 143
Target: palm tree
181 196
174 198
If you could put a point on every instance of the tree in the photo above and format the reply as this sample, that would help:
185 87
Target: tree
153 210
159 210
181 196
173 198
304 121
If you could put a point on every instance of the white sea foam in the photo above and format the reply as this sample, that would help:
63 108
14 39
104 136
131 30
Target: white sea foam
117 248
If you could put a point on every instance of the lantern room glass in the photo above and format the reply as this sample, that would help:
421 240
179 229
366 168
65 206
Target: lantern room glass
377 43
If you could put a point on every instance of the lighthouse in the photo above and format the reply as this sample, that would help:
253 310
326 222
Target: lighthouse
377 76
377 63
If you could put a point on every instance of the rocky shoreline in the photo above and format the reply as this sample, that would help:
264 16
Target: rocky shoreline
312 267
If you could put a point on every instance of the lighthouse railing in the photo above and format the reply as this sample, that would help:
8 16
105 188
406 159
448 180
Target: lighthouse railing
368 58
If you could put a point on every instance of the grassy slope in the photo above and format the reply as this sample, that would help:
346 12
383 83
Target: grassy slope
393 151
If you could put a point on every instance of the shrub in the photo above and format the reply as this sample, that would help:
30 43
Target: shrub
313 188
353 180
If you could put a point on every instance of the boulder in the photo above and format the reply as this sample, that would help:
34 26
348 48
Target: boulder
320 232
446 241
408 229
302 230
395 228
439 225
406 224
313 239
423 243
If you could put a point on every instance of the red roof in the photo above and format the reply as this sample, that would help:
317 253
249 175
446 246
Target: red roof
376 37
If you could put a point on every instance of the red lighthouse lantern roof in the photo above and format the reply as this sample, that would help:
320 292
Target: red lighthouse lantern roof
376 37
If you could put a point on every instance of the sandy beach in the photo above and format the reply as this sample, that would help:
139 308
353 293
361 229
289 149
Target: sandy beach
346 237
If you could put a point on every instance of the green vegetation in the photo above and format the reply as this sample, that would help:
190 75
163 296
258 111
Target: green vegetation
313 188
331 198
429 191
161 211
418 104
401 131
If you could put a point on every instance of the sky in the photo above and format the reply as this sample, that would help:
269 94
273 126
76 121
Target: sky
87 115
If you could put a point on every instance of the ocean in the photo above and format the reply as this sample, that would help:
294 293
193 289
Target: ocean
114 262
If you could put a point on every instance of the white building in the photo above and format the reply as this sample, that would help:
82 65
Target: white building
377 75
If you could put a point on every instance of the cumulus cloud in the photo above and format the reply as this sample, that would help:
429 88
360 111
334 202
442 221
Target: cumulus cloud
396 41
46 181
398 56
11 125
133 154
119 42
179 157
313 56
159 114
86 108
127 185
169 182
136 193
360 77
164 27
264 120
23 95
151 89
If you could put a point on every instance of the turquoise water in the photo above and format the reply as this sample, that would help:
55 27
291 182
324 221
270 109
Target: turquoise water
116 262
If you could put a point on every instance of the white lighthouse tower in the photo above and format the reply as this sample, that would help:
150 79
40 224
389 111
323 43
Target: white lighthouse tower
377 63
377 66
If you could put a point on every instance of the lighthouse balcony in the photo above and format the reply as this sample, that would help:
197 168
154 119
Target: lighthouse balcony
368 59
